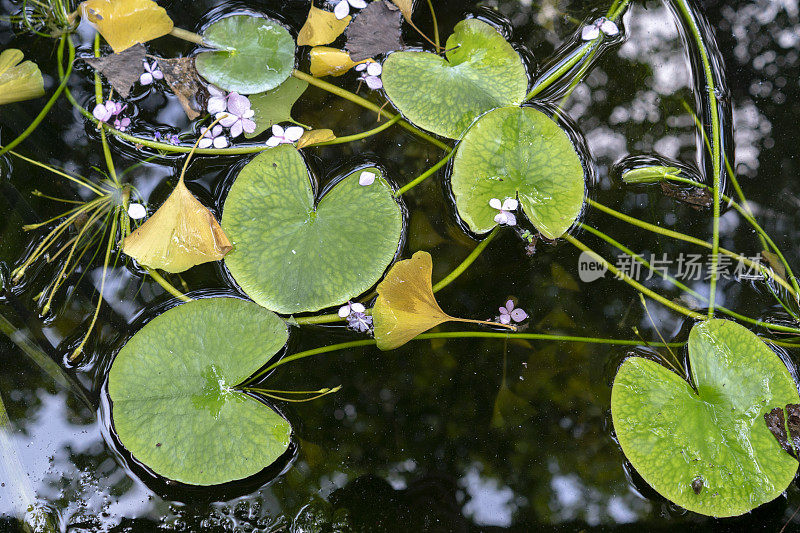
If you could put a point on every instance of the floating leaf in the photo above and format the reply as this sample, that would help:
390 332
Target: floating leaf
313 137
122 69
275 106
518 152
326 61
406 305
321 27
181 234
176 405
124 23
709 434
376 30
649 174
294 253
482 71
182 78
254 55
406 7
18 82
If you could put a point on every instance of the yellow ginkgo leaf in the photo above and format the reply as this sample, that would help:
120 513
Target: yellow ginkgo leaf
18 82
123 23
406 305
321 27
406 8
313 137
181 234
327 61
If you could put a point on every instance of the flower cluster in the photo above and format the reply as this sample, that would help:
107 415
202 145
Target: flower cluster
357 318
505 216
233 112
289 135
371 74
172 138
602 25
111 109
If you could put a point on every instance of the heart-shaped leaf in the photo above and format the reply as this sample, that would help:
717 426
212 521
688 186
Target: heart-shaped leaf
18 82
175 402
275 106
255 54
293 253
706 447
482 71
518 152
123 23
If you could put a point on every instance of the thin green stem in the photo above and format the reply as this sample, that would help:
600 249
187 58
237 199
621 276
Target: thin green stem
425 175
362 135
694 240
320 319
435 25
187 35
680 285
167 285
466 262
98 91
633 283
347 95
49 105
80 181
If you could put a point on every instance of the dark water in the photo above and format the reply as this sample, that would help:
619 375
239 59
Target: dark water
409 443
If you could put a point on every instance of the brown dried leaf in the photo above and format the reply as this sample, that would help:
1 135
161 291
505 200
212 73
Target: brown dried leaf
776 424
181 234
694 196
774 263
376 30
313 137
122 69
182 77
321 27
793 421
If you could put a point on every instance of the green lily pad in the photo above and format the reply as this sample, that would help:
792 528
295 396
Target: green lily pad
711 437
293 253
275 106
482 71
175 405
518 152
254 55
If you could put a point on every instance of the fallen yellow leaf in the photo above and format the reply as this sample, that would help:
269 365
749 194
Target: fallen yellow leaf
313 137
327 61
321 27
181 234
406 8
406 305
18 82
123 23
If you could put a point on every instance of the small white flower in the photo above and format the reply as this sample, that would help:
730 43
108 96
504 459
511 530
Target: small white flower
351 307
371 74
213 137
508 313
505 216
152 73
366 178
342 8
218 101
290 135
604 25
137 211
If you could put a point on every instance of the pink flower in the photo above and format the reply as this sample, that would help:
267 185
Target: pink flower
238 116
104 112
291 135
505 216
213 137
151 73
508 313
371 74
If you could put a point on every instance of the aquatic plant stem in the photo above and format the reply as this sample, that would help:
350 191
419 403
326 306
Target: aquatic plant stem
187 35
425 175
694 240
447 280
347 95
49 105
460 335
359 136
167 286
633 283
711 93
98 91
680 285
435 25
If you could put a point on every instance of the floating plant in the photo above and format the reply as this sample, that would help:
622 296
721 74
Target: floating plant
481 71
289 245
703 444
518 152
125 23
18 81
178 404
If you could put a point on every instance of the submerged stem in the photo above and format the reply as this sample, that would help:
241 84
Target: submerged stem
362 135
425 175
467 261
167 286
